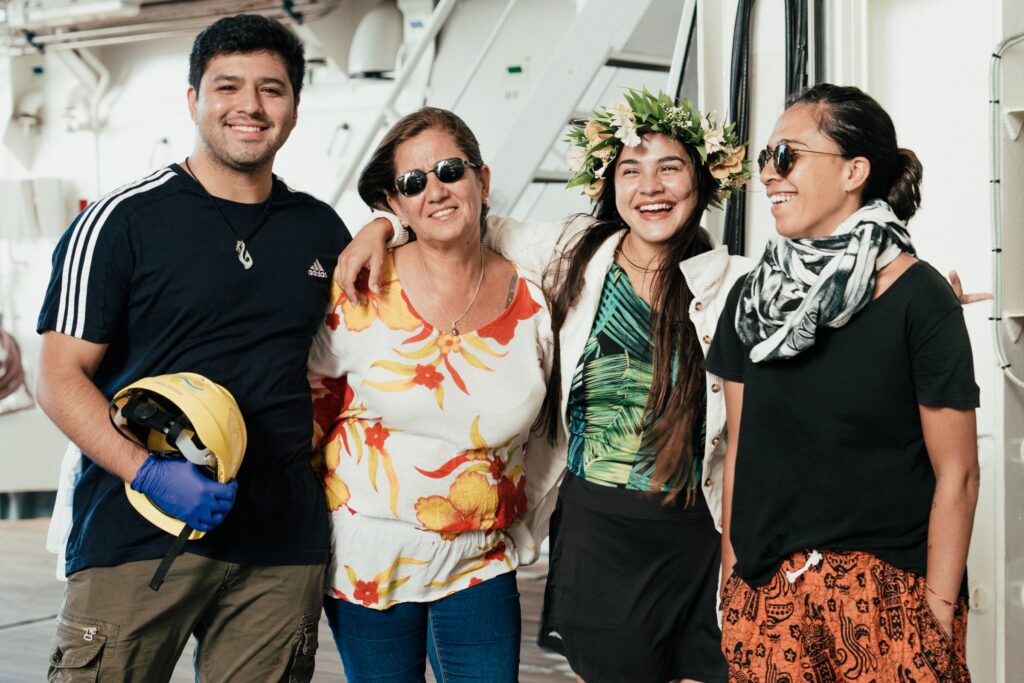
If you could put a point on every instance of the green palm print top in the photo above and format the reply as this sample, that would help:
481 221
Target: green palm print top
609 393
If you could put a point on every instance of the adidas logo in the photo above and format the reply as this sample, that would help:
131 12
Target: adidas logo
316 270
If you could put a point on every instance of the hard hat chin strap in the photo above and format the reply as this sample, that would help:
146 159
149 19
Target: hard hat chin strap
202 457
176 429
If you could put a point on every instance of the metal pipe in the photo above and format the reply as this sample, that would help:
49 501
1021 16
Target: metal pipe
56 48
102 85
996 195
47 39
175 10
154 25
95 79
438 18
682 46
78 69
483 52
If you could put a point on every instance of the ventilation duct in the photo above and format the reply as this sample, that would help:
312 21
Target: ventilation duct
31 15
48 27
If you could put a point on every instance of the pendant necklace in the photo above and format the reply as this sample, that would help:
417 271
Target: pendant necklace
244 257
430 280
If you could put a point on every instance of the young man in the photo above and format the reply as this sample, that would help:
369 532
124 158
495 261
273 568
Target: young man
216 267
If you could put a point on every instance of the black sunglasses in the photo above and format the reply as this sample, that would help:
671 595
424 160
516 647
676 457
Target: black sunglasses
783 156
451 170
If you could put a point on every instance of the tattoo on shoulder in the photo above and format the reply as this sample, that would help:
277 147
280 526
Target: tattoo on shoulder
511 289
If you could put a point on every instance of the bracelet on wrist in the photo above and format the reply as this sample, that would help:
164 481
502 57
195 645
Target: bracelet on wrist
941 599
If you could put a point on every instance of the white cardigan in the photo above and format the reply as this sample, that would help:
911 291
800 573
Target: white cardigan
709 276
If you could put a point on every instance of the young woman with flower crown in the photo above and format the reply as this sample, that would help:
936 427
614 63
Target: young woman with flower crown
634 290
851 475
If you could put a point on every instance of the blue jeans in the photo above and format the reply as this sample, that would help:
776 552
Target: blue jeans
471 635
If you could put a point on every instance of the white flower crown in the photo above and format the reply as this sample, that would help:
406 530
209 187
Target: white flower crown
598 141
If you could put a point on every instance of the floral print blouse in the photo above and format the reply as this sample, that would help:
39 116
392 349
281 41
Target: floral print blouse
421 442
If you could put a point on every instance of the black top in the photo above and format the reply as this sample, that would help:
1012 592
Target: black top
831 453
151 270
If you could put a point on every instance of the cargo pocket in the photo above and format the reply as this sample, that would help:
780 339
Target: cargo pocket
304 651
76 652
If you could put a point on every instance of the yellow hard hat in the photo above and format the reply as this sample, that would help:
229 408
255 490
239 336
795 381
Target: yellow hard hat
181 414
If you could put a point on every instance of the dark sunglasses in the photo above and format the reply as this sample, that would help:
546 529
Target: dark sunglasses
783 157
451 170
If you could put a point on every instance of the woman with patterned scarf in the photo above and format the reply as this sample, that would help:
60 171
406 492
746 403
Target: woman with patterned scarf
851 472
635 290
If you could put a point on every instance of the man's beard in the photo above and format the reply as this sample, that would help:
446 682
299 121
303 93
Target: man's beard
222 155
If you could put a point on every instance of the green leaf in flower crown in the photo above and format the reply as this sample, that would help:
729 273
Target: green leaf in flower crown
658 114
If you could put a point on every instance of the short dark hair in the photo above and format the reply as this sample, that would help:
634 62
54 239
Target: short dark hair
247 33
859 125
377 181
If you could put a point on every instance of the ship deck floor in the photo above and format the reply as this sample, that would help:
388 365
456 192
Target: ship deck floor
30 597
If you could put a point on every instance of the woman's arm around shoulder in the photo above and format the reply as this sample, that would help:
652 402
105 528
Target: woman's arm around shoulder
533 245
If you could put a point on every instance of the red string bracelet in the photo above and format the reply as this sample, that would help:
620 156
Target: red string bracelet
942 599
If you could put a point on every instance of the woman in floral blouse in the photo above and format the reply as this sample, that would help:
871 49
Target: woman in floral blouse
424 394
635 291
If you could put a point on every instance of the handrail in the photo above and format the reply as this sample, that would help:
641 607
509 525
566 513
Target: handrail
483 52
438 17
996 197
682 46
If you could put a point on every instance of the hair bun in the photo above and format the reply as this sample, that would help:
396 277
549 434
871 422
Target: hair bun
904 194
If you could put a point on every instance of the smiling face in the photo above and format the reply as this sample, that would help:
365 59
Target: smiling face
655 190
244 110
442 211
820 191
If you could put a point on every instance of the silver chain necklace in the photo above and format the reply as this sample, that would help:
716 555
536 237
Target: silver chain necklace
430 281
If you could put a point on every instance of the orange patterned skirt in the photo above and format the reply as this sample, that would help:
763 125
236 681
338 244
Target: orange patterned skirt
851 617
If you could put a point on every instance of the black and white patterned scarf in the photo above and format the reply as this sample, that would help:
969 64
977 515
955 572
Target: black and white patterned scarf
801 285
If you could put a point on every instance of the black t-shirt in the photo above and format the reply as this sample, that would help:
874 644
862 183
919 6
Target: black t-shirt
831 452
151 270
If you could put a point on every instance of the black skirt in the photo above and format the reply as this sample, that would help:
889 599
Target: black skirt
632 586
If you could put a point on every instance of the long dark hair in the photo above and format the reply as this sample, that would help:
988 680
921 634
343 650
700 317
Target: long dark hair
677 387
861 128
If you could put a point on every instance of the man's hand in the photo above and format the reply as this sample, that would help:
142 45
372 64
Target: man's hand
181 490
965 299
366 251
12 374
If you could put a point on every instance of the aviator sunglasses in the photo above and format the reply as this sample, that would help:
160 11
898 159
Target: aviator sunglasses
451 170
783 157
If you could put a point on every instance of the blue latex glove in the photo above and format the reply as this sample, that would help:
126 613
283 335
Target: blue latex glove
184 492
